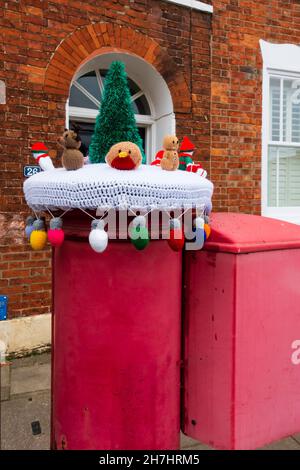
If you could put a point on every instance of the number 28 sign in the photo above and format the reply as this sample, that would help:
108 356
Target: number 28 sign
30 170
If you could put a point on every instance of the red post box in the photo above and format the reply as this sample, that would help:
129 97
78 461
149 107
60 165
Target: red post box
242 333
116 344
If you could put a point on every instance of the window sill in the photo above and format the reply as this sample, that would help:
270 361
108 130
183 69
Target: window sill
195 4
288 214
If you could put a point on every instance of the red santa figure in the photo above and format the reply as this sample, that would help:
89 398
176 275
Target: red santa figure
186 161
158 158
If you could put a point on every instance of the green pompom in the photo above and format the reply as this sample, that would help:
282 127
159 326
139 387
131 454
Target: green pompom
140 237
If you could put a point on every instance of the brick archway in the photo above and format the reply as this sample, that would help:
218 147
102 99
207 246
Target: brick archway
100 38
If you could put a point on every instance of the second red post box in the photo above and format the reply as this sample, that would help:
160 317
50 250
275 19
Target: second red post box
242 333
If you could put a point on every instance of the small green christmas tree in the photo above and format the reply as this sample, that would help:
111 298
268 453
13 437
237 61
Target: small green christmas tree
115 121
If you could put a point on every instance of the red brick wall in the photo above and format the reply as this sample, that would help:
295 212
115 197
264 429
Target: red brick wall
236 93
31 31
212 64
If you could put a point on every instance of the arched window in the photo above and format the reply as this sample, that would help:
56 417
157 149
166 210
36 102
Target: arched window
151 99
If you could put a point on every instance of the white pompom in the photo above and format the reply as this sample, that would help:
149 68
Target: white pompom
98 240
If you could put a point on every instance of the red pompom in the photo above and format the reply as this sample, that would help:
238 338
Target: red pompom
176 240
56 236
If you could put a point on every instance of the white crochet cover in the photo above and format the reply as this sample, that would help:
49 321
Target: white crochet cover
100 186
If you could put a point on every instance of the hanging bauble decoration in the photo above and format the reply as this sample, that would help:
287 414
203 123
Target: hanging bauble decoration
207 231
55 233
207 228
199 232
38 237
98 237
206 219
139 234
176 240
29 225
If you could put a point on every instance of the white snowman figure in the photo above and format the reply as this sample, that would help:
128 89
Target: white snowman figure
40 154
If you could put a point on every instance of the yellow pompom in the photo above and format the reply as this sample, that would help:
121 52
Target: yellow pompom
207 230
38 239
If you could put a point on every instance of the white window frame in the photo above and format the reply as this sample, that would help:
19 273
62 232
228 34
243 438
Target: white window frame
279 61
89 115
161 120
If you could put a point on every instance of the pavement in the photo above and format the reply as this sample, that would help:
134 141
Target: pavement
25 409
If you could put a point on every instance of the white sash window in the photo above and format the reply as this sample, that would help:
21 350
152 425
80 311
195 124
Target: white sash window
281 132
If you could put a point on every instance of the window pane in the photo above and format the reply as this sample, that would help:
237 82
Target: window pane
290 113
77 98
272 201
90 83
86 130
142 132
295 131
274 109
283 177
141 106
133 87
285 116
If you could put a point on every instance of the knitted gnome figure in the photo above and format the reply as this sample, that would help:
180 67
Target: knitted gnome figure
40 154
186 162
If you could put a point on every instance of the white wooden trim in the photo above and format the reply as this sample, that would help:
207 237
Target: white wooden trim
67 115
82 113
265 138
278 143
137 95
91 114
195 4
288 214
281 57
100 81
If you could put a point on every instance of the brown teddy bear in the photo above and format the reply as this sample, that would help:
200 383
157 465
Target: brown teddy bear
170 159
72 158
124 156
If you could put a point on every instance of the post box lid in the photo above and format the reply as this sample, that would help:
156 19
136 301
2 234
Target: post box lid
243 233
